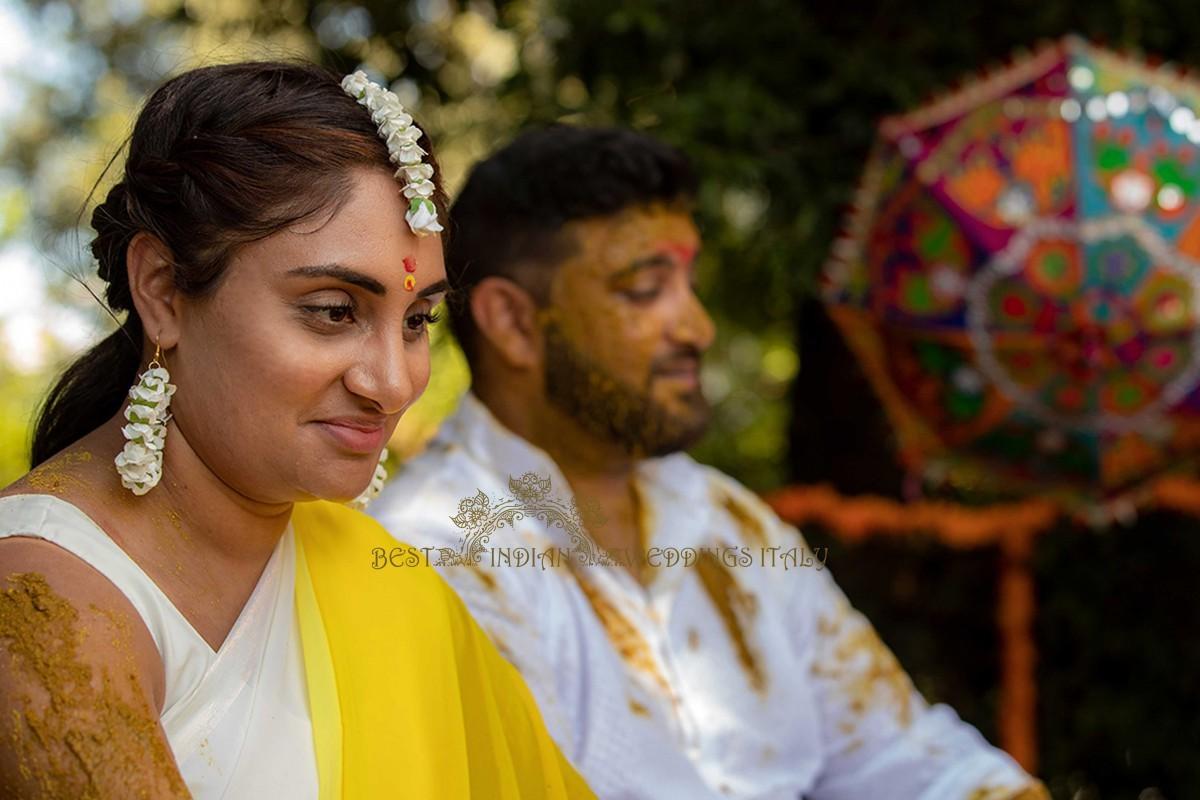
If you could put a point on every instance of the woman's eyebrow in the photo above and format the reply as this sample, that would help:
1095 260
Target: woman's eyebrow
341 273
434 288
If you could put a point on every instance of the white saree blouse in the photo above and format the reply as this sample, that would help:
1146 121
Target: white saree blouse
237 719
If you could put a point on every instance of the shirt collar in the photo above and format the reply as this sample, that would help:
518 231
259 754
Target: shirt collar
475 428
675 485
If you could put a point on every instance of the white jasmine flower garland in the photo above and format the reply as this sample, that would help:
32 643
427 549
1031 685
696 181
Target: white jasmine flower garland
401 135
376 486
140 462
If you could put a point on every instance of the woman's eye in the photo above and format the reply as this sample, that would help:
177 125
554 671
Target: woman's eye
336 313
417 323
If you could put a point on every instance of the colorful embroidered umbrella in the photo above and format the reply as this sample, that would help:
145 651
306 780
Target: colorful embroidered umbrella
1019 281
1020 277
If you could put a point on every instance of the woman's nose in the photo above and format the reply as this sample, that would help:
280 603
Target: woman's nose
381 373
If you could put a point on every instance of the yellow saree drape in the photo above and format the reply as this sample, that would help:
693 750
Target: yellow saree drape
409 697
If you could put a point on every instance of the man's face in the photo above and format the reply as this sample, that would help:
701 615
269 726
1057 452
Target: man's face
625 331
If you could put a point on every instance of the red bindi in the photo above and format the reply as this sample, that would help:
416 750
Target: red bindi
685 253
410 264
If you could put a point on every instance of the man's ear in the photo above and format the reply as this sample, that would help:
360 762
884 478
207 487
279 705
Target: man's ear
152 286
506 316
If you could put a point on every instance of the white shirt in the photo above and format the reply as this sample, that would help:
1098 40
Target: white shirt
720 681
237 719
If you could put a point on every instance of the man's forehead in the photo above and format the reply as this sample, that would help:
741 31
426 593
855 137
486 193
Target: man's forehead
615 242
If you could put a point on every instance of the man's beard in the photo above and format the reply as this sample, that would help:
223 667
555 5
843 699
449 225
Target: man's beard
610 409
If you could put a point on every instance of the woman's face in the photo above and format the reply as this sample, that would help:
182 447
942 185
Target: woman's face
293 374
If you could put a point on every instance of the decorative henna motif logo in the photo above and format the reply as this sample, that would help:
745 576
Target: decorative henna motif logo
480 517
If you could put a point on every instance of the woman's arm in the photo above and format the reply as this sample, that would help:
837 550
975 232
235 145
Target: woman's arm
80 684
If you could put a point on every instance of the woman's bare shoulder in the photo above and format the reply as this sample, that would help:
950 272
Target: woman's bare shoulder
79 470
81 682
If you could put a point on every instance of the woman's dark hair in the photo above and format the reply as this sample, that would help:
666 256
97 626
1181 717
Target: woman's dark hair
508 218
219 157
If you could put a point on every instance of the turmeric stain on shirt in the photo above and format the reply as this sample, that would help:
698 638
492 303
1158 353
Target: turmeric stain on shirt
1033 792
748 523
488 581
863 667
638 709
625 637
736 608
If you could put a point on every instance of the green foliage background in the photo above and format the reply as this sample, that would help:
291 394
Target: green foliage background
776 102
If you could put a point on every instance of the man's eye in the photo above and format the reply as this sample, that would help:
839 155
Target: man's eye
643 294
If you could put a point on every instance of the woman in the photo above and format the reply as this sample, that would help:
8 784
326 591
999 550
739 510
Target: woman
172 623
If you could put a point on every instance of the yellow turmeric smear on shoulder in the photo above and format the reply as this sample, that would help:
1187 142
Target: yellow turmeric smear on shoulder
86 734
58 475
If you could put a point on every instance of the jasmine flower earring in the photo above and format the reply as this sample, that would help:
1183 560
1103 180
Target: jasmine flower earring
140 462
376 486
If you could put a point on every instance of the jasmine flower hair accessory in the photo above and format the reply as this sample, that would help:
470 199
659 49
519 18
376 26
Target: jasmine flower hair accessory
397 129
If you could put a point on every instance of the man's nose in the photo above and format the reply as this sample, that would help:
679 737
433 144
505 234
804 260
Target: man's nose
694 326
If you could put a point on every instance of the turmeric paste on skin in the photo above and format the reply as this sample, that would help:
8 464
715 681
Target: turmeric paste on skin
73 730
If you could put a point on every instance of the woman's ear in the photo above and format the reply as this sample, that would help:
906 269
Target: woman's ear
152 286
506 316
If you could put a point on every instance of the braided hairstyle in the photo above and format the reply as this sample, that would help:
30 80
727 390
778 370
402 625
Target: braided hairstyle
219 157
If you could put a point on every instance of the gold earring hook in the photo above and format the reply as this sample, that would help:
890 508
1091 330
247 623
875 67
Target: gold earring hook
157 355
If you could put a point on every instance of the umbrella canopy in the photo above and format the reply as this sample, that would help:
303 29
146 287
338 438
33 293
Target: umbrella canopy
1019 279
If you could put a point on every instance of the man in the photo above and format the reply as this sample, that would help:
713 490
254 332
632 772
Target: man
701 662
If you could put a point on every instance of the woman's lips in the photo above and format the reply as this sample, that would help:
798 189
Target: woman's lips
358 437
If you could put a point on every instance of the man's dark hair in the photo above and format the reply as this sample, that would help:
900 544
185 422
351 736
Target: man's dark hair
508 218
